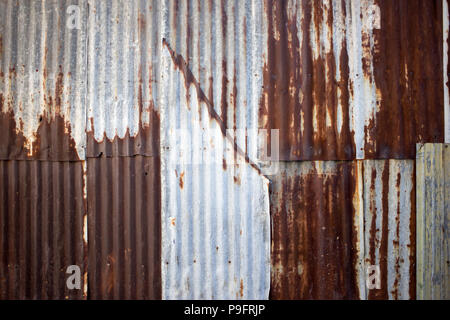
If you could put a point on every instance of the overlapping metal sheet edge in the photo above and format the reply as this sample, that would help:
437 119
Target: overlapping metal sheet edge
446 70
433 226
348 80
42 229
215 206
331 220
42 80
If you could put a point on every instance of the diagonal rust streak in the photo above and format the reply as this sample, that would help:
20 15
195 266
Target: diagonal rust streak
181 64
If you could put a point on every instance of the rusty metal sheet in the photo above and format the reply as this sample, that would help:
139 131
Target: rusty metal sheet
215 206
390 226
42 80
316 231
123 68
124 227
332 220
353 79
42 223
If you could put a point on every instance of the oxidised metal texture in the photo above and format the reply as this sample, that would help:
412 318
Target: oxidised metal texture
330 220
123 150
42 81
42 210
350 79
315 231
124 228
123 53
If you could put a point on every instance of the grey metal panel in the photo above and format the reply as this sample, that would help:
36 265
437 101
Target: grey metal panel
42 80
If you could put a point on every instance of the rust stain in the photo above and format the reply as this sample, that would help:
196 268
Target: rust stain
181 179
241 289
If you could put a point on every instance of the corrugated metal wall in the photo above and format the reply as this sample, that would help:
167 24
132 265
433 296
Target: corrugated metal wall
433 221
130 110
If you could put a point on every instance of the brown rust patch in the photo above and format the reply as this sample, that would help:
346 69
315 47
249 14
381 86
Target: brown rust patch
301 94
312 215
406 65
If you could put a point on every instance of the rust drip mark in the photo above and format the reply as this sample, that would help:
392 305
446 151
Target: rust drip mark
412 239
181 179
241 289
237 180
172 221
396 242
181 64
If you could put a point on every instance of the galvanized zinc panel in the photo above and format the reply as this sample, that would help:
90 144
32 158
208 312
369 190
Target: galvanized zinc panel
123 67
353 79
433 209
42 226
124 228
215 206
42 80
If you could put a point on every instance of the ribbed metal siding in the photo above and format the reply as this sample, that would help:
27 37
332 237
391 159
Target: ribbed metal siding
433 221
353 79
124 228
215 213
446 70
330 220
123 70
390 226
42 81
42 211
315 235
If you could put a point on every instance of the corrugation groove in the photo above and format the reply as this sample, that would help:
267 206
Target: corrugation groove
351 79
41 228
42 81
124 228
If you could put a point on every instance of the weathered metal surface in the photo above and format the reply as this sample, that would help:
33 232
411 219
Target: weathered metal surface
123 55
331 220
389 226
42 211
433 226
353 79
446 70
215 205
124 228
42 81
316 232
